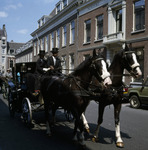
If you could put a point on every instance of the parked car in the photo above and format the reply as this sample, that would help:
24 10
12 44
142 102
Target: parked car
138 95
125 89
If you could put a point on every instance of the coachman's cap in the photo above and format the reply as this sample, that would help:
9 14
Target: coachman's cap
55 50
41 52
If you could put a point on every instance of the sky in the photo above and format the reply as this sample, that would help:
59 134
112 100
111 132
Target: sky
20 17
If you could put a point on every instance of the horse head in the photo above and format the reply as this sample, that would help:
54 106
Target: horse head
99 68
131 63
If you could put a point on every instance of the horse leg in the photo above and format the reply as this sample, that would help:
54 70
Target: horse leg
78 123
47 120
86 126
117 108
54 108
100 120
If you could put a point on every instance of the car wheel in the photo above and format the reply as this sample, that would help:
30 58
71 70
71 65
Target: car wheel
134 101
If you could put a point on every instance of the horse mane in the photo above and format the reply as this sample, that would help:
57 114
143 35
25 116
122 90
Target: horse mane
82 66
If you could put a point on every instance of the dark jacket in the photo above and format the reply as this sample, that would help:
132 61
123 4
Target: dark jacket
50 62
40 64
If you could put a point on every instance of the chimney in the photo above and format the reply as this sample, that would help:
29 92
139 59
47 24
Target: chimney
4 27
11 40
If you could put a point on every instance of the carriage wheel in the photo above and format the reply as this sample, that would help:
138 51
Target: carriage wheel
68 115
11 104
26 109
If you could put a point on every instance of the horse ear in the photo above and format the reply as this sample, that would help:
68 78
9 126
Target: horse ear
94 52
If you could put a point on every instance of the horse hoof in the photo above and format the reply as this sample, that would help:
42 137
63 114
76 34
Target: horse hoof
87 130
120 144
94 139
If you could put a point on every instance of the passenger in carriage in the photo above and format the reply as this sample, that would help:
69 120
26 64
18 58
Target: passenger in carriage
54 63
8 75
40 72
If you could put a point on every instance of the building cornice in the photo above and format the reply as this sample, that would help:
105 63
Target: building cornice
91 5
49 24
137 40
91 48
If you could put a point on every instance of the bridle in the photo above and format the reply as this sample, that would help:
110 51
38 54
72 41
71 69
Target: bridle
102 77
131 66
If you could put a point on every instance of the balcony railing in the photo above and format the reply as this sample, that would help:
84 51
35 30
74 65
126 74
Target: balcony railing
113 38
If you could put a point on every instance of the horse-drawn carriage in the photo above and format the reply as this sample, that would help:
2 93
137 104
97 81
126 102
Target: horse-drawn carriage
72 91
20 99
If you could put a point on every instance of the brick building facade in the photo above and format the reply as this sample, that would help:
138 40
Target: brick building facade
77 27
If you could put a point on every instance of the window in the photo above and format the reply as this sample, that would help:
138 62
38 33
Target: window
64 64
52 40
64 35
119 20
3 59
11 51
30 57
3 41
58 38
43 21
42 46
46 45
35 49
87 31
64 3
38 47
3 51
58 8
99 27
71 62
39 24
139 15
11 63
72 33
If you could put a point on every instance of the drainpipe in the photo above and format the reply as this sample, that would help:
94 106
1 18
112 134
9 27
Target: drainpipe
77 38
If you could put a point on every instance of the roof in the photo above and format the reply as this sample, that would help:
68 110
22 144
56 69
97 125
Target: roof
14 45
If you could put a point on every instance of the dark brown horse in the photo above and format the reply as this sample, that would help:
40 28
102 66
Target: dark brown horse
124 59
71 92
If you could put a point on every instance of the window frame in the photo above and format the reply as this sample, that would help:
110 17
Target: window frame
64 5
35 47
97 26
64 43
3 59
58 39
42 44
134 15
58 8
72 32
86 31
52 41
119 20
47 43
